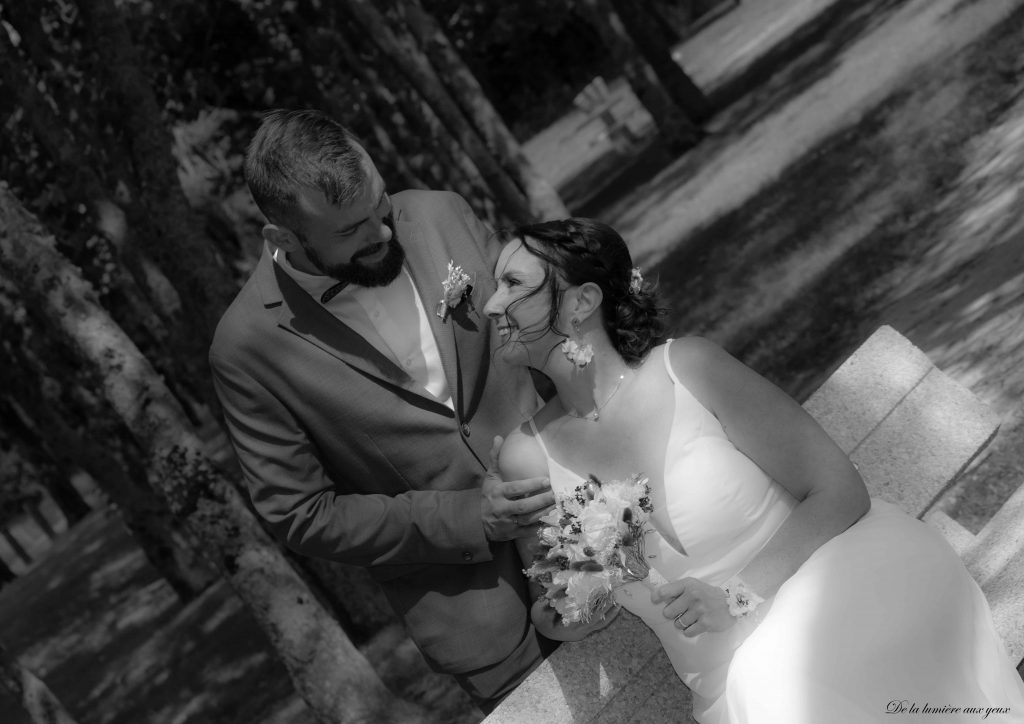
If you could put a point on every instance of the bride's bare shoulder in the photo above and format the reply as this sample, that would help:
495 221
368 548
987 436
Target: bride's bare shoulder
521 455
704 369
694 354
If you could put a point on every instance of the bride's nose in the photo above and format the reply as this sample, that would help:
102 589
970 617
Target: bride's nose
494 308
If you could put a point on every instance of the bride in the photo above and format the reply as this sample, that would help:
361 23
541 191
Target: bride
792 596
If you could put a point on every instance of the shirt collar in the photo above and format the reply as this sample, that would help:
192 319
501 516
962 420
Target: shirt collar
313 284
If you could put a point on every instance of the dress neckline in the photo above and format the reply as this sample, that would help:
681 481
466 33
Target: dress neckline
673 544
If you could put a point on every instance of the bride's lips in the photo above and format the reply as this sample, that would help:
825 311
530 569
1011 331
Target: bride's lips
505 331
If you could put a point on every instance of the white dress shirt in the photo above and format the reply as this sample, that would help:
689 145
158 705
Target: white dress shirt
391 318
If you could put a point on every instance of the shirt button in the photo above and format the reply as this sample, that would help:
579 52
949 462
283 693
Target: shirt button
465 429
467 556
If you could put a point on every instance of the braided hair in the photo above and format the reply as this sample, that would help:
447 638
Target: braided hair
578 251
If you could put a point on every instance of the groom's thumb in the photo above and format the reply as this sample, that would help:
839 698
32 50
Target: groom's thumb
495 449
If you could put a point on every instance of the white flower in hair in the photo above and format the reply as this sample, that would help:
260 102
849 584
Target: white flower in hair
636 280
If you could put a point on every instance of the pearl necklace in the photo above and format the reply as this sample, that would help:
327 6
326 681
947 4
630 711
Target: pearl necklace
595 414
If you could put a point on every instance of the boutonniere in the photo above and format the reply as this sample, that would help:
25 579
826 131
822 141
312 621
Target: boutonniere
457 288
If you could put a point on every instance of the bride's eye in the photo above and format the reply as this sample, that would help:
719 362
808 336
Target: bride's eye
507 280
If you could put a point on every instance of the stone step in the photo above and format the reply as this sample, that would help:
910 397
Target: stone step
996 560
959 537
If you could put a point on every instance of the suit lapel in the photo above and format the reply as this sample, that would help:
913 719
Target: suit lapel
462 335
428 270
303 316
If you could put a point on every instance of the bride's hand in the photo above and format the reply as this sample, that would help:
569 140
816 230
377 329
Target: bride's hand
695 605
549 624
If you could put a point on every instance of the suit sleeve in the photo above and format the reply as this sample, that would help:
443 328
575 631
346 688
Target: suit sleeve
293 494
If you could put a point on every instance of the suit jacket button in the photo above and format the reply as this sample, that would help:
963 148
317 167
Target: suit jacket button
467 556
465 429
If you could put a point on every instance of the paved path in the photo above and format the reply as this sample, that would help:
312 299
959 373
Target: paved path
719 53
740 38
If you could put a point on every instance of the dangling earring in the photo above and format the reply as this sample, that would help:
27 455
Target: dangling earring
579 354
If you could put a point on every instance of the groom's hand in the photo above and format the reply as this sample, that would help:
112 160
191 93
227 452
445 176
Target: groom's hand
510 509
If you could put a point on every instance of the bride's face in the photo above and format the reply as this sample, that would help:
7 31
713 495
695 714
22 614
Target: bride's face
521 307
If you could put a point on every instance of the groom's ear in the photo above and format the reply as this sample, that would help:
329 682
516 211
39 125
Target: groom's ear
588 300
281 238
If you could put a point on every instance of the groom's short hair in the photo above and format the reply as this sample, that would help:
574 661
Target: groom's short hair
292 150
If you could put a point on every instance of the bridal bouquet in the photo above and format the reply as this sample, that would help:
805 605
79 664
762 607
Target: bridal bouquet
592 542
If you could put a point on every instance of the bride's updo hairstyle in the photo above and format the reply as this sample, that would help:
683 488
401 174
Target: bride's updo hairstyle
578 251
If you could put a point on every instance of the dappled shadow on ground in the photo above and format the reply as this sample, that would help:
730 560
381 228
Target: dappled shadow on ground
809 50
111 639
626 201
805 57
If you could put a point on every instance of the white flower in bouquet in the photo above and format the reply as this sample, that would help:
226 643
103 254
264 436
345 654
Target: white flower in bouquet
592 543
600 529
587 593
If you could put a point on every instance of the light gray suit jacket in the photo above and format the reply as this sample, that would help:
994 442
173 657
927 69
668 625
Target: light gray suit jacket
347 458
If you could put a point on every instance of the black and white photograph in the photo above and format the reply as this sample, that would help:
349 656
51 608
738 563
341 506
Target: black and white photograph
540 362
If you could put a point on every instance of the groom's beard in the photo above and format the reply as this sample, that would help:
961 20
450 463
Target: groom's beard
378 274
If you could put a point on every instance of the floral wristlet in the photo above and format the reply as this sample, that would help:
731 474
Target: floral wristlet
742 601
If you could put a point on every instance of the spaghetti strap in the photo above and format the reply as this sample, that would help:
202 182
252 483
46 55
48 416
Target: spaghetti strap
539 439
668 365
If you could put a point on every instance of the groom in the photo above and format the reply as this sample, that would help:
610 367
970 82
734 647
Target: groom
355 372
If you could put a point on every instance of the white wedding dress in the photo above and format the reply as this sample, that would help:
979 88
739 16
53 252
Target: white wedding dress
881 618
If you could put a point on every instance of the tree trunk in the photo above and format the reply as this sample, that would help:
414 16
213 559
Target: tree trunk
402 50
648 37
15 545
678 130
6 574
42 706
467 92
329 673
40 520
167 546
416 146
83 182
339 94
133 272
361 82
67 498
427 138
169 231
353 596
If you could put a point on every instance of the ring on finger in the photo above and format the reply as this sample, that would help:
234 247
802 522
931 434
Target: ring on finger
679 623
